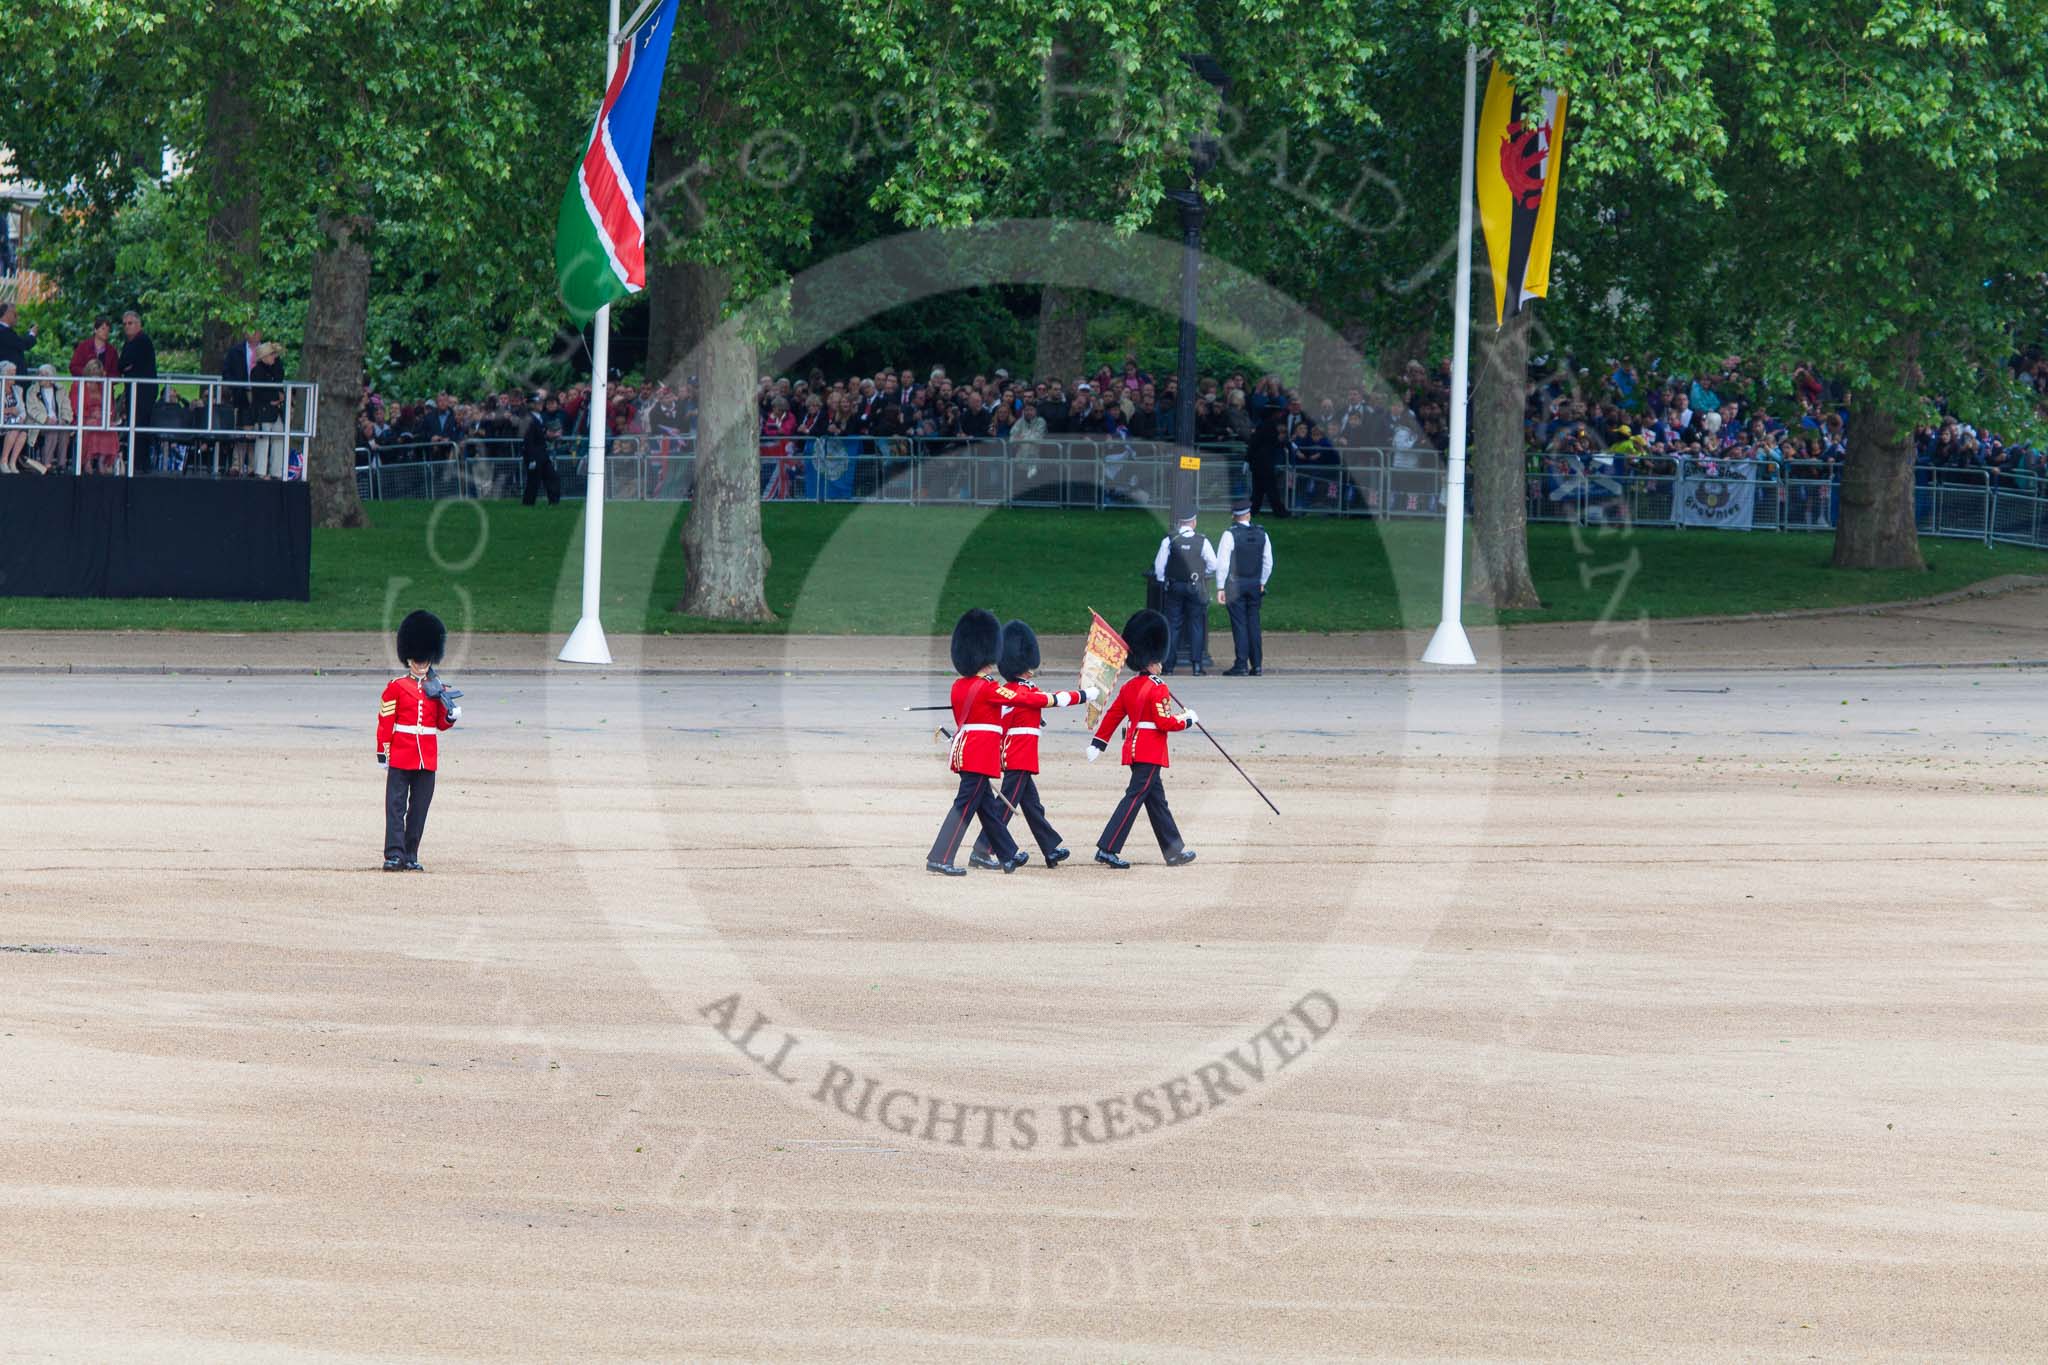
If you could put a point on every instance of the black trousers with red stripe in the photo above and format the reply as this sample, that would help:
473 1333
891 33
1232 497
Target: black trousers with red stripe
408 792
1022 791
1147 789
977 797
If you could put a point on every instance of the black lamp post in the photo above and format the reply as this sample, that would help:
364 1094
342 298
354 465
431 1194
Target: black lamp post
1203 152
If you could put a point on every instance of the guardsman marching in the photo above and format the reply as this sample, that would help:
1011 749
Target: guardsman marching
1244 561
1145 703
977 746
1021 718
978 701
415 708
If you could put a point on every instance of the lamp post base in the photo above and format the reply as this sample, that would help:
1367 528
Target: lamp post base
1450 647
586 644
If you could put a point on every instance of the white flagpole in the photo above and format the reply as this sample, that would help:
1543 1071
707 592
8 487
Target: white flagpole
587 643
1449 645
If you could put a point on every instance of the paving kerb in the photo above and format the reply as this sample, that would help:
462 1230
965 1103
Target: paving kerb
1943 631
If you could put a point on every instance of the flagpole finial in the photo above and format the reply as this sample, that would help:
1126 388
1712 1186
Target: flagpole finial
632 25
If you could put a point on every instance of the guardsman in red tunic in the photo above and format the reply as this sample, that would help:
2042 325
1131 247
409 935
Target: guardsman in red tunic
415 708
1146 705
1021 718
977 746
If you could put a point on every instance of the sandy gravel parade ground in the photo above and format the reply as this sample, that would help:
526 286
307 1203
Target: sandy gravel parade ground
1688 1004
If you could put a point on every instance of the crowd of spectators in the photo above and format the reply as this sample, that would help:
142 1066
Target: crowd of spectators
1646 427
1626 420
35 402
121 418
1639 426
440 428
895 414
1114 410
894 410
1621 420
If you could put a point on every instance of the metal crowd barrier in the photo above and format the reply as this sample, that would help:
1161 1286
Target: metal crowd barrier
1796 496
101 420
1050 472
1065 472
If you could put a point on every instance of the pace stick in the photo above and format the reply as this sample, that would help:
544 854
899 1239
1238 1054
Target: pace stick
1227 758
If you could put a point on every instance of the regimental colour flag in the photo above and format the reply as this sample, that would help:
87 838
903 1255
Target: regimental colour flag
1101 661
1520 153
601 231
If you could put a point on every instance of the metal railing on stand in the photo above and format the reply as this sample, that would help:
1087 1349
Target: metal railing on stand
1065 471
172 424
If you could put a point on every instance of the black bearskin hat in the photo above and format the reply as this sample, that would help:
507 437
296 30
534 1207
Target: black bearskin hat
1020 650
977 640
421 637
1147 635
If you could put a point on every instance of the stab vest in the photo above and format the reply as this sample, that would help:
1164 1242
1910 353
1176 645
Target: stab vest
1184 559
1247 552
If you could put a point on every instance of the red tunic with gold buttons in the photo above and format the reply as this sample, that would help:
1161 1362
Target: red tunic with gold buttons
978 710
1022 716
1144 702
409 723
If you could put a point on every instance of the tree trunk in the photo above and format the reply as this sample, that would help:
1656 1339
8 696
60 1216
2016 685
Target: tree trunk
725 561
1395 355
1062 334
1498 472
337 318
1876 529
1330 364
724 557
670 319
667 313
235 215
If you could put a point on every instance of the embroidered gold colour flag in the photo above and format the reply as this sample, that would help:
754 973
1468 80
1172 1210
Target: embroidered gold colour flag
1100 663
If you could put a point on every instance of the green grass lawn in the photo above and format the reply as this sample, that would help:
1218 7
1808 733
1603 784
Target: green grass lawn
876 569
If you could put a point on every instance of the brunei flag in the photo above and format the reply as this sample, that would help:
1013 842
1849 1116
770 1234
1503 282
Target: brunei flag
601 231
1520 148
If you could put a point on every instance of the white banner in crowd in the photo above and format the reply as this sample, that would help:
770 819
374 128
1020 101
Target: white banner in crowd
1711 494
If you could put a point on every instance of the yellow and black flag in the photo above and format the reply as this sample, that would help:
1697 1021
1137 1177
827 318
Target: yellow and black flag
1520 149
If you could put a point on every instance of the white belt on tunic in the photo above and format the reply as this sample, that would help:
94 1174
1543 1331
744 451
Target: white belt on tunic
416 729
986 729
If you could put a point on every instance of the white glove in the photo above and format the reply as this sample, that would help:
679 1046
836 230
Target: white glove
1188 716
1090 693
1094 751
455 713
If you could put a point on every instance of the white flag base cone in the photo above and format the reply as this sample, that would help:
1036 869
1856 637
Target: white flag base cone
586 644
1447 646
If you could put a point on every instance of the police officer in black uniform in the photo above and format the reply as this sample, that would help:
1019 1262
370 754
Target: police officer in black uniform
1244 561
1263 454
534 455
1184 564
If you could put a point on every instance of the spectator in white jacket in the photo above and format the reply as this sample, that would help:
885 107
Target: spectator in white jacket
50 406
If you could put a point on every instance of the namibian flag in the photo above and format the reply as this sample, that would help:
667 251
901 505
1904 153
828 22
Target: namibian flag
601 231
1520 150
